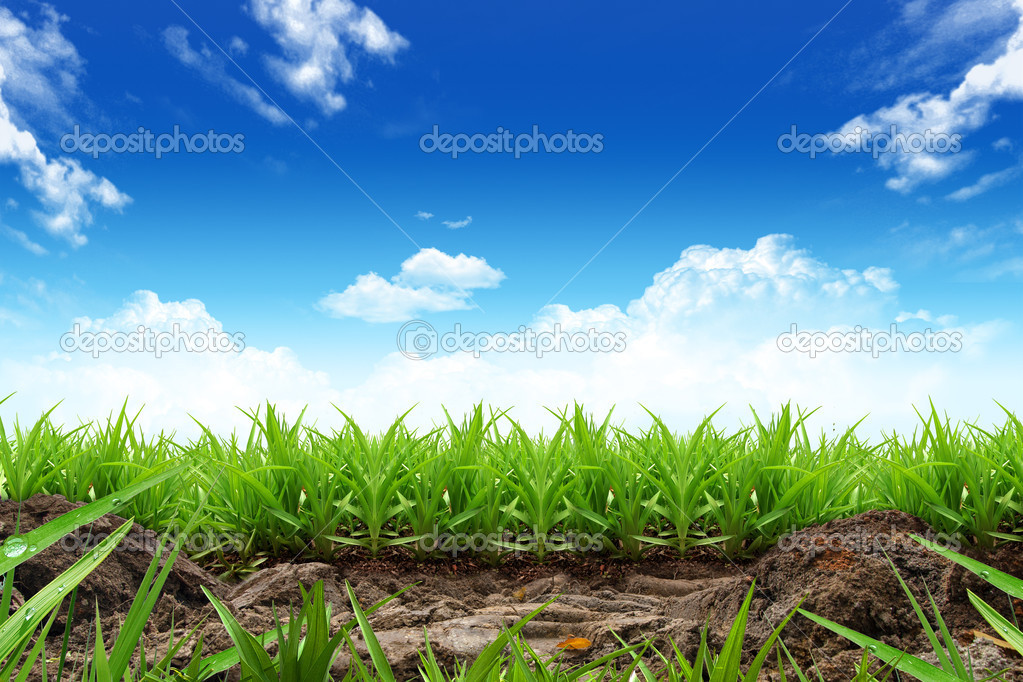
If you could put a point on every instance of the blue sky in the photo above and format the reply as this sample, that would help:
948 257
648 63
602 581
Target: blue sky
320 271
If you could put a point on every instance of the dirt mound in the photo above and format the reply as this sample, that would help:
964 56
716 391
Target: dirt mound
838 566
842 570
114 584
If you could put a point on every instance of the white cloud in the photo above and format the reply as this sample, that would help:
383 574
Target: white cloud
63 187
701 335
931 42
206 385
375 299
423 215
429 281
457 224
315 36
1002 144
39 71
964 109
961 244
213 68
22 239
704 334
924 315
42 66
434 268
237 46
986 182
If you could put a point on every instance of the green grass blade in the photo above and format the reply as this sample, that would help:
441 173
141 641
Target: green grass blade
911 665
41 603
1003 581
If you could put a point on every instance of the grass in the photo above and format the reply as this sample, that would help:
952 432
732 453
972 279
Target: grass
289 490
292 491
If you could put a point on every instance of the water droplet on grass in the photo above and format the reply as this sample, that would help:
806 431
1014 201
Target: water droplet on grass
14 547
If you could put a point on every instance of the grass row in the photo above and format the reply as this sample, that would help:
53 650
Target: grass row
485 486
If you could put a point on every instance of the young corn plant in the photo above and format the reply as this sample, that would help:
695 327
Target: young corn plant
479 503
425 507
539 475
305 648
680 470
234 482
631 506
588 446
784 470
998 504
30 459
373 471
929 478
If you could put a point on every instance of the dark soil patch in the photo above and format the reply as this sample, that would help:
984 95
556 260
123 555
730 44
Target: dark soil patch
838 567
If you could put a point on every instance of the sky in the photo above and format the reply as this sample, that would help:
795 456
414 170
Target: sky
370 208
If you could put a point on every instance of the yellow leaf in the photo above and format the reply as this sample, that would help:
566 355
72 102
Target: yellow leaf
1000 642
575 643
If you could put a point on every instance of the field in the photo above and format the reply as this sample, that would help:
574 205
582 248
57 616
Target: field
588 552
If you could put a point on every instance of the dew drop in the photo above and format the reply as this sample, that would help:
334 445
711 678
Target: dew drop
872 647
116 501
32 548
29 612
14 547
984 574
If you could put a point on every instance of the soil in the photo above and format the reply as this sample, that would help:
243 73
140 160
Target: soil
837 570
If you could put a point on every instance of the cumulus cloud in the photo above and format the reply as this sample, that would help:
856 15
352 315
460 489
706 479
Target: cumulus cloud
171 387
429 281
315 37
704 334
212 67
964 109
457 224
